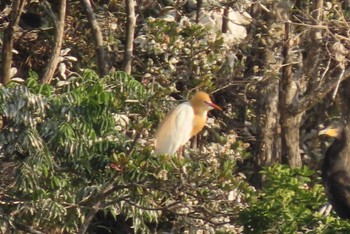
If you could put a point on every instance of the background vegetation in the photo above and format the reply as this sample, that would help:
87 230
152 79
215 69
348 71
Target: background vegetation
85 84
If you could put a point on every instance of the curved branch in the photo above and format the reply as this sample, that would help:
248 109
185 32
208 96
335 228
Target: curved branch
101 55
54 60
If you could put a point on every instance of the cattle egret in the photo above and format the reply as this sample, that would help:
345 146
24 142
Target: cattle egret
184 122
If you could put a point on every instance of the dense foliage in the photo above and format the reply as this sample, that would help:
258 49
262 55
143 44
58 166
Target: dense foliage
73 140
77 154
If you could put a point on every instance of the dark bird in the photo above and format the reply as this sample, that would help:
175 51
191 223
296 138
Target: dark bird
335 170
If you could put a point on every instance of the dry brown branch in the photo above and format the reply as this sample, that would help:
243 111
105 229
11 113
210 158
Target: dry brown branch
100 50
54 60
17 8
129 38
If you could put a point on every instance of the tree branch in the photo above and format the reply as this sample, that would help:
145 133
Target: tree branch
54 60
100 50
94 209
97 202
129 39
318 94
17 8
26 229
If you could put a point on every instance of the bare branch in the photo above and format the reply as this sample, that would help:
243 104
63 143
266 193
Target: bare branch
318 94
100 50
54 60
129 39
17 8
338 83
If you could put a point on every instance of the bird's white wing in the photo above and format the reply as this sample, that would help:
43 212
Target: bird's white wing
175 130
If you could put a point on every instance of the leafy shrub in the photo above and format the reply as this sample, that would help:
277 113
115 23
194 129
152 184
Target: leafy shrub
290 203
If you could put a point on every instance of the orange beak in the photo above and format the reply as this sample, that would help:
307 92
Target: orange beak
213 105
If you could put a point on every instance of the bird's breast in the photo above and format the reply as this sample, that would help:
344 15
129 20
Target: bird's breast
198 124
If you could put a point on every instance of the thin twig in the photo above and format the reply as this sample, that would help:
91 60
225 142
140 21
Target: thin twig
325 71
340 78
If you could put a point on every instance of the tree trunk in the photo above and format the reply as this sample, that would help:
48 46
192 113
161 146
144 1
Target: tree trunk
290 122
268 149
268 131
54 60
17 8
289 89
